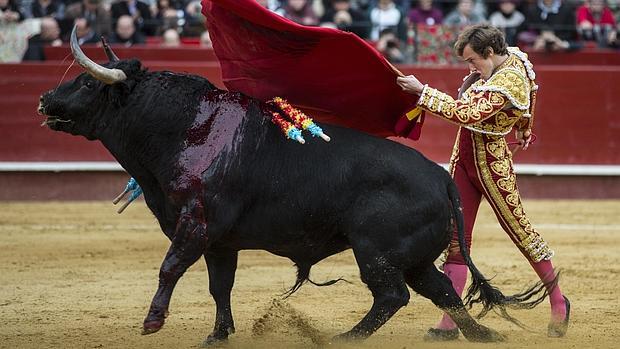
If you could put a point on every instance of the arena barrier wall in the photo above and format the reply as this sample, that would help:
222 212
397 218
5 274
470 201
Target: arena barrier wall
576 154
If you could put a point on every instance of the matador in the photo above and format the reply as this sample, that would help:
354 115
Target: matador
498 96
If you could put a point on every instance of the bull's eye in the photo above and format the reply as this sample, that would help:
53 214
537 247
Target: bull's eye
89 84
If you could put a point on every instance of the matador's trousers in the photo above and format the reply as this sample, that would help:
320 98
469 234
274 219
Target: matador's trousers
482 165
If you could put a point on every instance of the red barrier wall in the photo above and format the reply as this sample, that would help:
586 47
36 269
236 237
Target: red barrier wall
575 124
575 120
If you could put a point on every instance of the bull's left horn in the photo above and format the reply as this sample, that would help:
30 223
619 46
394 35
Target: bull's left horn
101 73
108 50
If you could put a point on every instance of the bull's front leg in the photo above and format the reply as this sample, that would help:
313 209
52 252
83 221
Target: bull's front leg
188 244
222 265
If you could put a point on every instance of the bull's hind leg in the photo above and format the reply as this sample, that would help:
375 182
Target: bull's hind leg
434 285
388 289
188 244
222 266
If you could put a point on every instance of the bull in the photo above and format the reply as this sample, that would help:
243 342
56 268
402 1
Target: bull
220 178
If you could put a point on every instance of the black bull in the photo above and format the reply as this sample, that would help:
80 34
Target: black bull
220 177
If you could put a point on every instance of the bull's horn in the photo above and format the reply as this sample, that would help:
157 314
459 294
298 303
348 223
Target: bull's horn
103 74
108 50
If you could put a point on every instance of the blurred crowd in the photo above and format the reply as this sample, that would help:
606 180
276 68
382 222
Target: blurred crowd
403 30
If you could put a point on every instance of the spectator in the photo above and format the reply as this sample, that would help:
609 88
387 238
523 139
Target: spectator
386 15
508 19
343 17
194 20
14 32
551 26
125 32
49 36
139 11
95 13
25 7
169 15
45 8
614 6
464 14
300 11
171 38
402 5
425 13
85 33
595 22
389 46
272 5
9 12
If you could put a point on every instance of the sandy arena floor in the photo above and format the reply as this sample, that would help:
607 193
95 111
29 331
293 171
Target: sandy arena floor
77 275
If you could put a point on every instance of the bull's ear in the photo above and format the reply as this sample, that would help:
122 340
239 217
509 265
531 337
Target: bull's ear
131 67
119 92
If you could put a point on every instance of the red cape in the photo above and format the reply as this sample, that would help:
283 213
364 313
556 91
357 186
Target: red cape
334 76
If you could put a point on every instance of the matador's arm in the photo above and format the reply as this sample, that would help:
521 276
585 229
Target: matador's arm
472 108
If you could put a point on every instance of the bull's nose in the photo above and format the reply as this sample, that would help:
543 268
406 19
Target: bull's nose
40 107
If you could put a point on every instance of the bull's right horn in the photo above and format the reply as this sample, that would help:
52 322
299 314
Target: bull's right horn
101 73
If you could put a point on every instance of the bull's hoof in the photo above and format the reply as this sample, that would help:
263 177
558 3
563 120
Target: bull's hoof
348 337
152 326
212 341
441 335
218 337
484 334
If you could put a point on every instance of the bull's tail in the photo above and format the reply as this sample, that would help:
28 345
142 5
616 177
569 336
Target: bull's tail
303 275
480 290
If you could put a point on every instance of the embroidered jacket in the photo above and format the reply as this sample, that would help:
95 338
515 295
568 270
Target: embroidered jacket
494 106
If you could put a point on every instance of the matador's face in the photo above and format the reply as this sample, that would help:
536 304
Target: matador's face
477 63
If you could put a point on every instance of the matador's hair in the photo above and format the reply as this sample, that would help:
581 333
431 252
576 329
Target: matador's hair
480 37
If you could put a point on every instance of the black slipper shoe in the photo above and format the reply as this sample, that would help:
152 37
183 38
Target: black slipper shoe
558 329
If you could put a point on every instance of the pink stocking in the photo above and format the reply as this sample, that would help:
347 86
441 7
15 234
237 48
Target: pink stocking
458 275
545 272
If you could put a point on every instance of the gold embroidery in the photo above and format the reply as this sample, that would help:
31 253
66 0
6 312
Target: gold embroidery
512 82
525 222
512 199
501 167
507 183
474 108
529 229
518 211
502 120
497 148
454 157
498 124
513 218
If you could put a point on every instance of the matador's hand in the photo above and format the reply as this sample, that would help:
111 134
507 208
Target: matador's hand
410 84
524 137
